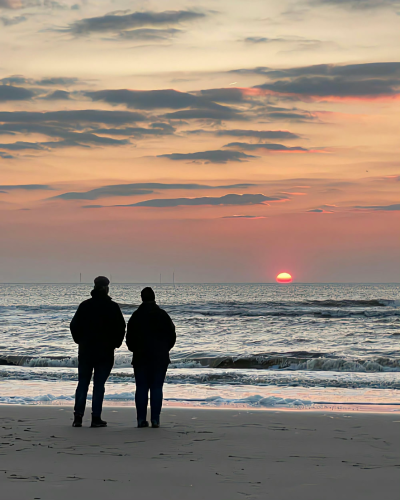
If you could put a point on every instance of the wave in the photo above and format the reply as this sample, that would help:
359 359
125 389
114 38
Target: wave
300 360
253 401
226 378
215 306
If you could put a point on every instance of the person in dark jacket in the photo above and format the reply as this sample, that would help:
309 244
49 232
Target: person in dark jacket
150 336
98 327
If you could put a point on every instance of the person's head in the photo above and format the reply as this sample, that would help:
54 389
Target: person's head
101 284
148 295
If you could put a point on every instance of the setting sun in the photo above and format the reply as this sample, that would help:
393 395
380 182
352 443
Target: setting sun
284 278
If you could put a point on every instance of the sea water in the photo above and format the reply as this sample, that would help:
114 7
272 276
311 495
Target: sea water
252 345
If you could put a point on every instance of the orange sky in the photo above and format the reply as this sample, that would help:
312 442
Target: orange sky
223 141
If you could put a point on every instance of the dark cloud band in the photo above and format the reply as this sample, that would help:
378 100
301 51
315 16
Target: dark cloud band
216 156
229 199
137 189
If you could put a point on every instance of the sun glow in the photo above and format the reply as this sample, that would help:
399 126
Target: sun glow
284 278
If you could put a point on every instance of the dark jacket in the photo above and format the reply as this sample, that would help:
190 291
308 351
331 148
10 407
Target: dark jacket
98 325
150 335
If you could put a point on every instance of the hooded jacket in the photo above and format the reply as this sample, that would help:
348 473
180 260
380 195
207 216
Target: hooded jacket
150 335
98 325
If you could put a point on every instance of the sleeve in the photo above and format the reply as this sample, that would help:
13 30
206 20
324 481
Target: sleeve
171 331
76 325
131 333
119 327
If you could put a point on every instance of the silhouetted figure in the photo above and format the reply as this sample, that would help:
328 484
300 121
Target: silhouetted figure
98 327
150 336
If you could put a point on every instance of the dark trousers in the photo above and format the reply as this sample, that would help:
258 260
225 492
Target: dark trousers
149 378
102 366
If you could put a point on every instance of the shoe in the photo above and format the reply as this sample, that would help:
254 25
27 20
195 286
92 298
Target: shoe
97 422
155 424
77 420
142 423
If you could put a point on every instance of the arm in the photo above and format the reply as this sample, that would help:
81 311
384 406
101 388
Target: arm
131 333
76 325
119 327
171 331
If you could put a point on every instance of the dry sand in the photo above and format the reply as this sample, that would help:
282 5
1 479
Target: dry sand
199 454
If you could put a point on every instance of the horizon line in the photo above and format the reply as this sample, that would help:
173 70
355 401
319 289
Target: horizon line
204 283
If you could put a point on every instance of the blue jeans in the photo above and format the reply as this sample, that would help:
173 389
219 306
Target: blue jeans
102 366
149 378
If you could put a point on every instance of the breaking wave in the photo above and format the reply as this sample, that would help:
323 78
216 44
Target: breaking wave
304 361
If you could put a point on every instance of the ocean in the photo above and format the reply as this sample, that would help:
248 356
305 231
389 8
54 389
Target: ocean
297 346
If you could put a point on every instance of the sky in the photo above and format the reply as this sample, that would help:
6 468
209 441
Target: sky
220 140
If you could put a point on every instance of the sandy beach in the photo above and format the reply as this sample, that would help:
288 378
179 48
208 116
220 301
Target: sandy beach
199 454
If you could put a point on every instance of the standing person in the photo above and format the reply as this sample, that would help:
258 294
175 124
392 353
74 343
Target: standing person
98 327
150 336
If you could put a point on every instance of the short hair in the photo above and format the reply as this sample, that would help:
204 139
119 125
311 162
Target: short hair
101 282
147 294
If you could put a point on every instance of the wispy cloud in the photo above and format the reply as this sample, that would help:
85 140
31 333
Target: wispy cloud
228 199
216 156
385 208
269 147
259 134
137 189
26 187
251 217
122 22
153 99
11 21
11 93
332 80
358 4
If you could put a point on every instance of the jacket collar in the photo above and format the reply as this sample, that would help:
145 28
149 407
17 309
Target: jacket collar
96 294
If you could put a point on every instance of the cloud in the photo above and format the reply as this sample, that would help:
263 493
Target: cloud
11 21
74 128
6 156
58 95
358 4
320 211
11 4
244 217
21 145
262 39
333 80
22 80
222 113
26 187
289 116
137 189
22 4
149 34
259 134
153 99
228 199
77 117
297 43
58 81
269 147
75 140
156 129
216 156
228 95
10 93
121 22
385 208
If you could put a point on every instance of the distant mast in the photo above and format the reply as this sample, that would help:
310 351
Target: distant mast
80 277
173 279
160 278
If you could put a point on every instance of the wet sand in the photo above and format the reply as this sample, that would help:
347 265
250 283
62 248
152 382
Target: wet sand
199 454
